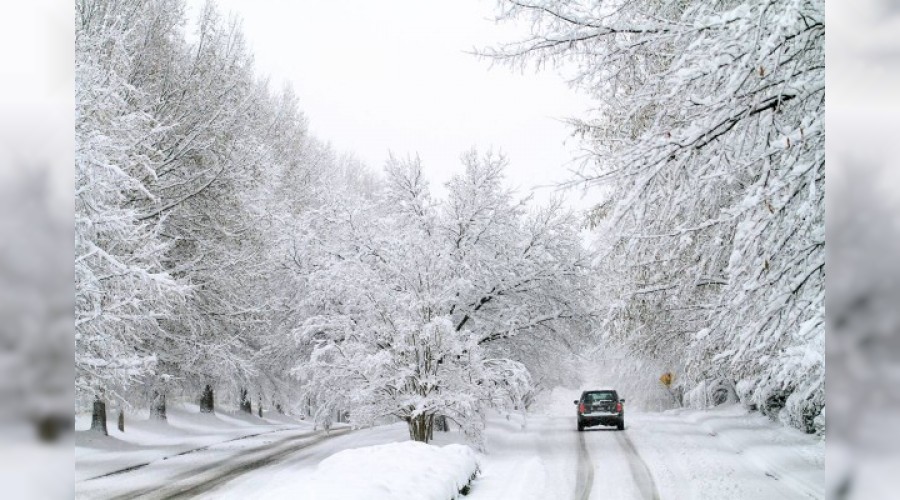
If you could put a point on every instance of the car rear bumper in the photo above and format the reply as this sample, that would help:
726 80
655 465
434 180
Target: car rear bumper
590 419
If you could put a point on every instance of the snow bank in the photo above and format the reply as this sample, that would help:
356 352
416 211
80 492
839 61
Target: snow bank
394 471
729 452
785 453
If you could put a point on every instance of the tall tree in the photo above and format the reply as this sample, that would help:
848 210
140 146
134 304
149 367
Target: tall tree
188 169
122 286
406 295
709 132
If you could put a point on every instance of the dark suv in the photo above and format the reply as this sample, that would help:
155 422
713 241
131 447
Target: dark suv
601 407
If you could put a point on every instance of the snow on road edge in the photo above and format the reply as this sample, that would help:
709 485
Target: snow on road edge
394 471
728 452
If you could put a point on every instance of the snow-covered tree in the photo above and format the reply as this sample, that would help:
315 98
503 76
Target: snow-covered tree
189 170
122 287
406 295
709 132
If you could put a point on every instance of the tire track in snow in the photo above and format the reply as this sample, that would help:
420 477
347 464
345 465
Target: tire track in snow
639 470
230 473
197 480
584 480
182 453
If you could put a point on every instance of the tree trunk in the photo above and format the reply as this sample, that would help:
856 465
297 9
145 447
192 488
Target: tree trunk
677 396
245 404
98 416
207 400
121 420
259 406
420 428
158 406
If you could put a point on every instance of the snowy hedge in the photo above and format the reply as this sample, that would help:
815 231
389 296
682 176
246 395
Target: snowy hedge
395 471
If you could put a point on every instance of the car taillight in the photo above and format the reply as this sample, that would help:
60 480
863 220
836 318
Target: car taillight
618 407
581 408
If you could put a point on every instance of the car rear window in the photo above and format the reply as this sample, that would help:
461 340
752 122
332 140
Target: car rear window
590 397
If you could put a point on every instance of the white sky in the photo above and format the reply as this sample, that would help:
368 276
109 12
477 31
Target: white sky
863 55
36 99
374 77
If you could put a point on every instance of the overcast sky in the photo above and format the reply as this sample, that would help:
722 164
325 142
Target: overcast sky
374 77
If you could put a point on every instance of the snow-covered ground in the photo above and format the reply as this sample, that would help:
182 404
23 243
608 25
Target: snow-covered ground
407 470
721 453
149 452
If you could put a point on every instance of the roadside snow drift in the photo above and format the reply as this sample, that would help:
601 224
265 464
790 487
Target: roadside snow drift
395 471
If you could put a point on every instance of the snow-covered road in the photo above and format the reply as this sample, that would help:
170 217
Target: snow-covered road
722 453
642 484
551 459
187 475
725 453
